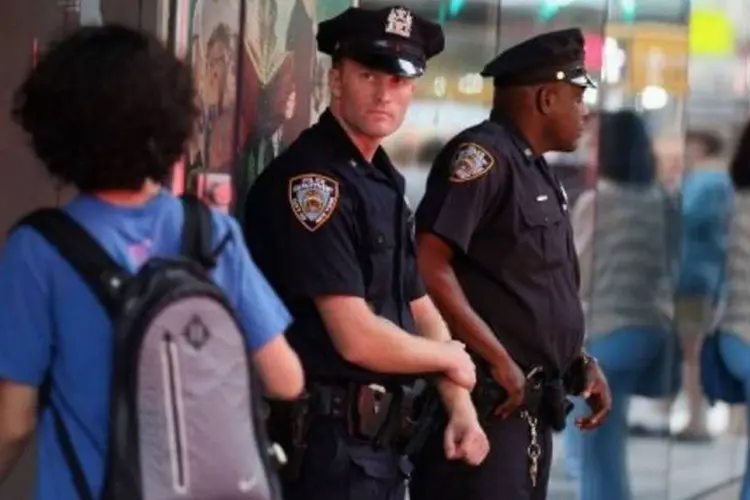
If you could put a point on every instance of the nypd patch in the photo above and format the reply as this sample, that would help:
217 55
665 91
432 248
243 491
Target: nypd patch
313 198
470 162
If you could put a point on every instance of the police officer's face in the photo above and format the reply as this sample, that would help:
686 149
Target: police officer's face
563 105
372 102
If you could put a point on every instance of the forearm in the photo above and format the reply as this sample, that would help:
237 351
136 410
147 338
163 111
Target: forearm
10 452
430 324
18 419
464 323
455 398
389 349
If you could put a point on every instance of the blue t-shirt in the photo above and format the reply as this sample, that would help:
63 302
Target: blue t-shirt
50 320
706 206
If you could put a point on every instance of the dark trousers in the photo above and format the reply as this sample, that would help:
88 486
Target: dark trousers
338 467
504 473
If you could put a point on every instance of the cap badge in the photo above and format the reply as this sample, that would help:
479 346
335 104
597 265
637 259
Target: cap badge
399 22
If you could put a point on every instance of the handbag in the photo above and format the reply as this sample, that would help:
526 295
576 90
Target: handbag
718 383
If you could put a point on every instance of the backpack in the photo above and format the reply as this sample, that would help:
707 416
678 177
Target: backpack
185 408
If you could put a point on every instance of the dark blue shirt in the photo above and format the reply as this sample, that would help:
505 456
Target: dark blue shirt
324 221
506 215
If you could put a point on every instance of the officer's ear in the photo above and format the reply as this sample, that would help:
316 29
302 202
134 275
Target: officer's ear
335 79
546 99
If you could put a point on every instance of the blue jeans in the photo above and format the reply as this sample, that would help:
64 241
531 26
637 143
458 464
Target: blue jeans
736 354
598 459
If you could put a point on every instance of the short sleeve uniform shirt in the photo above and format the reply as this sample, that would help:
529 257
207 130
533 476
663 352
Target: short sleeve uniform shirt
506 215
321 220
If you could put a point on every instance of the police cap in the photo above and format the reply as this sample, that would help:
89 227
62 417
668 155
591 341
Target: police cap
392 39
557 56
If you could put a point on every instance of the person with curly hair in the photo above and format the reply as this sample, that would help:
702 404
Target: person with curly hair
109 111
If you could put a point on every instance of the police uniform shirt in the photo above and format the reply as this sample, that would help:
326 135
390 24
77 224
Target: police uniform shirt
506 215
321 220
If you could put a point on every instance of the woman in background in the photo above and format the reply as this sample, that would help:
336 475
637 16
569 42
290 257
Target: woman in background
628 255
734 342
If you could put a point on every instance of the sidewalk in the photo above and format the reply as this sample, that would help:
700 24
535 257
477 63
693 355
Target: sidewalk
662 469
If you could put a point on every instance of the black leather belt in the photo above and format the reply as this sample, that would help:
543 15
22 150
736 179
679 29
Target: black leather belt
330 400
374 412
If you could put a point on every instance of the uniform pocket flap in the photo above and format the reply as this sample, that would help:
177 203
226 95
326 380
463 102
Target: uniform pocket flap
378 240
540 214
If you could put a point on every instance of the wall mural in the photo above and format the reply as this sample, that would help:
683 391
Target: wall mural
259 83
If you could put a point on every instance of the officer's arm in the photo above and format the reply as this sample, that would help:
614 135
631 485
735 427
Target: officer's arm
457 199
428 320
431 325
320 262
377 344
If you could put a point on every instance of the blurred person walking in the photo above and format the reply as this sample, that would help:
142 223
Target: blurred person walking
706 202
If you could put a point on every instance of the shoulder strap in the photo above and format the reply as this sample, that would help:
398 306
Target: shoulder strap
95 266
66 447
197 232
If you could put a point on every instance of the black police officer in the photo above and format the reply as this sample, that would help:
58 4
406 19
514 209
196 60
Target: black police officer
496 253
328 224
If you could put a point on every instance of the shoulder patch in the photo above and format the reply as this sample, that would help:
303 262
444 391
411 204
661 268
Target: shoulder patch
313 199
470 162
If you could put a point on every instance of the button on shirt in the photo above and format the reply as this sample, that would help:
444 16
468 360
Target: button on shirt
322 220
506 215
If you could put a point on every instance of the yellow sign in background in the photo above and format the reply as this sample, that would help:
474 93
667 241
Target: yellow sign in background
711 33
657 55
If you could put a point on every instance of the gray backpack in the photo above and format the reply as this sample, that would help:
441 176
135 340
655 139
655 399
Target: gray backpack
185 410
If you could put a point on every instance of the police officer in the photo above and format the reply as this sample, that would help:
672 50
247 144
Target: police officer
496 252
328 224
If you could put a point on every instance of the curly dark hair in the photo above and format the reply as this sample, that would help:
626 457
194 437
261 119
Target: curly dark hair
739 169
107 107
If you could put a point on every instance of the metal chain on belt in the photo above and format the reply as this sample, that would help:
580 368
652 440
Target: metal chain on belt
534 451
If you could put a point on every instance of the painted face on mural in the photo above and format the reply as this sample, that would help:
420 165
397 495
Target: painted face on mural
372 102
217 65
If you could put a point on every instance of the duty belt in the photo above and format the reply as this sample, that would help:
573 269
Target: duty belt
544 400
399 416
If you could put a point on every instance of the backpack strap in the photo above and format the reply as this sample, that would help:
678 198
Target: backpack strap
98 270
198 232
66 447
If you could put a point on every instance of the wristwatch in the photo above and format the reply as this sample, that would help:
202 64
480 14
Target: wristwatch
588 359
